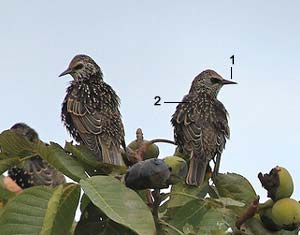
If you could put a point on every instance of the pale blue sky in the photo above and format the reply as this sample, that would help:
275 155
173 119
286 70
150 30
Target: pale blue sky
149 48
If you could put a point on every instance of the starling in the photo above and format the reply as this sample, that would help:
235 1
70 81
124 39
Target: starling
35 171
201 126
90 111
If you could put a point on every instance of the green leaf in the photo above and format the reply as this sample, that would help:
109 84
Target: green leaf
168 229
7 163
236 187
3 155
41 210
64 216
84 155
119 203
143 194
205 217
15 144
94 222
84 201
228 202
182 193
254 226
213 192
217 221
58 158
190 213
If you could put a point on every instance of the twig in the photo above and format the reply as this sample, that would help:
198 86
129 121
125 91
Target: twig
161 141
144 147
138 155
155 207
249 213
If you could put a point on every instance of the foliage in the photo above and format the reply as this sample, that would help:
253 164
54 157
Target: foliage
108 207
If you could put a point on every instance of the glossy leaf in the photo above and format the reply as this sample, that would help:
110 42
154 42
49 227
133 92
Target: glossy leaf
190 213
64 216
58 158
217 221
255 227
15 144
119 203
207 217
41 210
84 201
235 187
94 222
7 163
85 156
182 193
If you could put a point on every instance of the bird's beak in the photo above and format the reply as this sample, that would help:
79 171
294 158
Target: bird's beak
67 71
226 82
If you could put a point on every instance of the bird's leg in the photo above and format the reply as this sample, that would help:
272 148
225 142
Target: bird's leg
217 165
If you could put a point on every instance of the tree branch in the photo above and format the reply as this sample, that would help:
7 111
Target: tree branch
249 213
161 141
135 156
155 207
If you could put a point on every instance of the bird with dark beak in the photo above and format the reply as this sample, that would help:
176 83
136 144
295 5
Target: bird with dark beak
90 111
201 125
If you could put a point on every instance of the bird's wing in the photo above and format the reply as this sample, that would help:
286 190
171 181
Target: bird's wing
188 125
201 126
96 128
42 173
221 125
222 129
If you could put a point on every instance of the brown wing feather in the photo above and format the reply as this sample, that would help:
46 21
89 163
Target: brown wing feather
101 131
188 126
201 129
42 173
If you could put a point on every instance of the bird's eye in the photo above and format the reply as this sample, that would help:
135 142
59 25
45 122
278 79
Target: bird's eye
79 66
215 80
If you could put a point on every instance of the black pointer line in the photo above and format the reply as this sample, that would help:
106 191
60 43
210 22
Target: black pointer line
171 102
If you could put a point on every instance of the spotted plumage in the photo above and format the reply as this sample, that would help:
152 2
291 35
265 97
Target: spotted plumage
90 111
201 126
34 171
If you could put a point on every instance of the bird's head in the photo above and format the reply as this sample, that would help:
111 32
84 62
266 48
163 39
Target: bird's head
209 81
25 130
82 67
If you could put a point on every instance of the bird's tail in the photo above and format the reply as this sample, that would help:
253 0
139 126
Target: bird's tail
112 155
197 171
104 149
